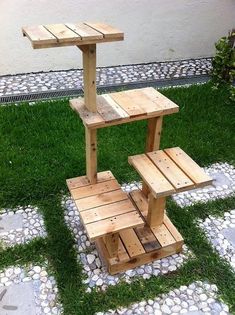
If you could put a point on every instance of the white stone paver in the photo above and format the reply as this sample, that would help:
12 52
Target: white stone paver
20 225
195 299
221 232
28 290
97 275
223 186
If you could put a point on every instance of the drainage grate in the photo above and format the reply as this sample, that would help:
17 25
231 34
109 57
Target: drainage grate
36 96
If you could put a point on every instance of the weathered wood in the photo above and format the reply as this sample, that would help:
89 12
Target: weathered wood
156 210
111 242
127 104
82 181
163 235
107 112
131 243
147 238
91 155
89 77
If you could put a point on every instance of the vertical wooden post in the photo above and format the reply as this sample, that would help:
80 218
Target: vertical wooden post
89 76
91 155
152 141
111 242
156 208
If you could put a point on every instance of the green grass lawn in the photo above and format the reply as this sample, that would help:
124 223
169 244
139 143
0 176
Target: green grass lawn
43 145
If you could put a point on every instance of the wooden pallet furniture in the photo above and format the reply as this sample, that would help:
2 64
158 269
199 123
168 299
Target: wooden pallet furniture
129 229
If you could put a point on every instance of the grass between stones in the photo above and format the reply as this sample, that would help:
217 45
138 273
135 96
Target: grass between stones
41 146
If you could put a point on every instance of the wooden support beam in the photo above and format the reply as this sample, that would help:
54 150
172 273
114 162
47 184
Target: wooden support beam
156 208
89 76
91 155
153 140
111 242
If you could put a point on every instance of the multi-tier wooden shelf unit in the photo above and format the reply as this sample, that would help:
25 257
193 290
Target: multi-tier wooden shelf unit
129 229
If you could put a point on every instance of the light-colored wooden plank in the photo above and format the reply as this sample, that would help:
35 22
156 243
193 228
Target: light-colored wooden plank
170 170
163 236
91 155
115 106
89 119
85 31
89 77
100 200
156 210
188 166
94 189
107 30
161 100
140 202
172 229
107 112
111 242
127 104
131 242
147 238
113 224
157 183
81 181
107 211
62 33
38 34
122 253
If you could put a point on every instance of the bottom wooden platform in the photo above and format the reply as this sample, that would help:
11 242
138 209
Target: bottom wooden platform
142 245
105 209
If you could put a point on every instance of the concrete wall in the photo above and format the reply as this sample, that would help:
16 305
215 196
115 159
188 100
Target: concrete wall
155 30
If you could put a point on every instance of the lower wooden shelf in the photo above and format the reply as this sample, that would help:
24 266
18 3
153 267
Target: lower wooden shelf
102 214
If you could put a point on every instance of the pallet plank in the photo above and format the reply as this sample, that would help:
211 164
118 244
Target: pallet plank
107 211
62 33
107 30
38 34
127 104
131 242
107 112
140 201
188 166
113 224
157 183
84 31
170 170
147 238
163 236
100 200
172 229
115 106
95 189
81 181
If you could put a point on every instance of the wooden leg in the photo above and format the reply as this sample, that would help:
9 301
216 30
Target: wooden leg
89 76
91 155
156 210
152 141
111 242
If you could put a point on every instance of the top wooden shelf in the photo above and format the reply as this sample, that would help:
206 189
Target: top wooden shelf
68 34
122 107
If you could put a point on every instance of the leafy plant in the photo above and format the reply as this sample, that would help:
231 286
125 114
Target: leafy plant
224 63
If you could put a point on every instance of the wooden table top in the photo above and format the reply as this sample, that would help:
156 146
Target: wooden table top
68 34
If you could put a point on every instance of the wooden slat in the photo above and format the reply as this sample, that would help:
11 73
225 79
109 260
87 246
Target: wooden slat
91 119
38 34
143 101
172 229
107 211
188 166
113 225
147 238
170 170
161 100
127 104
81 181
94 189
157 183
85 31
163 236
131 243
62 33
107 112
122 253
140 201
115 106
100 200
107 30
111 242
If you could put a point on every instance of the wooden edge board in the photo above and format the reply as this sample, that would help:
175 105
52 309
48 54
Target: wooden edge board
113 225
172 229
82 181
131 242
33 33
140 201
